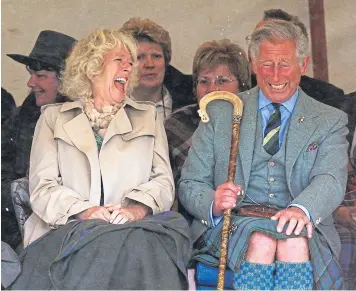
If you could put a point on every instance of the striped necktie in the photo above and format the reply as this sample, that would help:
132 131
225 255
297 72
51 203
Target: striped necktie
271 134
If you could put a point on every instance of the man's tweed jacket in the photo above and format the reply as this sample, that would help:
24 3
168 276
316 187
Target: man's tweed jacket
316 160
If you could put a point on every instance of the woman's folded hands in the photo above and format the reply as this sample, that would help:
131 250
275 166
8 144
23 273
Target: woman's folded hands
120 214
115 214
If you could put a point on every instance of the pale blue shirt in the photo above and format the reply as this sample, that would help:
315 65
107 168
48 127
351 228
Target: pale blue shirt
266 110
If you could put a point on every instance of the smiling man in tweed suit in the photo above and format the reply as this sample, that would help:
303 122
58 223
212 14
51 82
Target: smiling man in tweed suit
292 158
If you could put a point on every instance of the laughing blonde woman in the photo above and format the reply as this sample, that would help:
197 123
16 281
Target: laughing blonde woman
100 182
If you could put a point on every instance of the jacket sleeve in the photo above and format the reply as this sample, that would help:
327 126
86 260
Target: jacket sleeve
196 184
158 192
328 174
50 200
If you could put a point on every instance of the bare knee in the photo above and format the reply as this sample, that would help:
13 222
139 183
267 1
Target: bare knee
261 249
294 250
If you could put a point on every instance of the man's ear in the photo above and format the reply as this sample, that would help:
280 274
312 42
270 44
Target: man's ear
304 65
253 66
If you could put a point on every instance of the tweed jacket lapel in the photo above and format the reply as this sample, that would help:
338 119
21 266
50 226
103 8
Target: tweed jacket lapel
248 131
301 128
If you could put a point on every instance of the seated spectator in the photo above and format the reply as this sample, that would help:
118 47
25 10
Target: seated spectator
289 145
102 189
44 65
159 82
346 103
345 221
8 105
217 65
333 96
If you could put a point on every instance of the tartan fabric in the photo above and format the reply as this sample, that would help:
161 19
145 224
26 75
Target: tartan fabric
327 272
180 127
271 134
348 255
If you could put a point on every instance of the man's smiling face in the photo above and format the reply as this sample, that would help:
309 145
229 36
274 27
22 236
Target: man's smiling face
277 69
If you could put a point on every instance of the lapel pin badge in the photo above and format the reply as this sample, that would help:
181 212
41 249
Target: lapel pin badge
312 147
301 119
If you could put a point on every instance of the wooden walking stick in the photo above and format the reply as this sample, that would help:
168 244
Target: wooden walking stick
236 119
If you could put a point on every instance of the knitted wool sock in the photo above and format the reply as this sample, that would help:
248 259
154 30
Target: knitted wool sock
254 276
293 276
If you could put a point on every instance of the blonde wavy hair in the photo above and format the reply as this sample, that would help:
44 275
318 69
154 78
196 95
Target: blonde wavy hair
146 29
87 58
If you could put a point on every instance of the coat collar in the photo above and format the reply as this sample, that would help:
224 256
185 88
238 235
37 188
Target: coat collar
76 130
120 124
128 102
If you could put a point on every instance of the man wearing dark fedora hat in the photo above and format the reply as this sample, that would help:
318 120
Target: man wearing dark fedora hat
44 64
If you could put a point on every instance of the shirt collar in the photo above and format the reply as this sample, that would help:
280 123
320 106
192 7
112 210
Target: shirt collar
166 99
263 101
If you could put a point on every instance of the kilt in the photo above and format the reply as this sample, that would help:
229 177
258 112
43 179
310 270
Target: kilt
348 255
327 272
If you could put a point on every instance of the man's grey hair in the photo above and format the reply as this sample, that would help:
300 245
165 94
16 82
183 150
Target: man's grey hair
280 30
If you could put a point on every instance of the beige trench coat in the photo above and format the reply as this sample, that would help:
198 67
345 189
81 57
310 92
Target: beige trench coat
66 167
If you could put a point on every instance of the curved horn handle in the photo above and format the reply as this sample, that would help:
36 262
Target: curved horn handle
222 95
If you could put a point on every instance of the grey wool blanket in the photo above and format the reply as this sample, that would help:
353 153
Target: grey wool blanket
149 254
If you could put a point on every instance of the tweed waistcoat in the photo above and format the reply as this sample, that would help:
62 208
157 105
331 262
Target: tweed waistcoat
267 183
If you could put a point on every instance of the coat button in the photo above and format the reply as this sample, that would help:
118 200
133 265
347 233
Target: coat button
318 220
271 195
271 179
271 164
